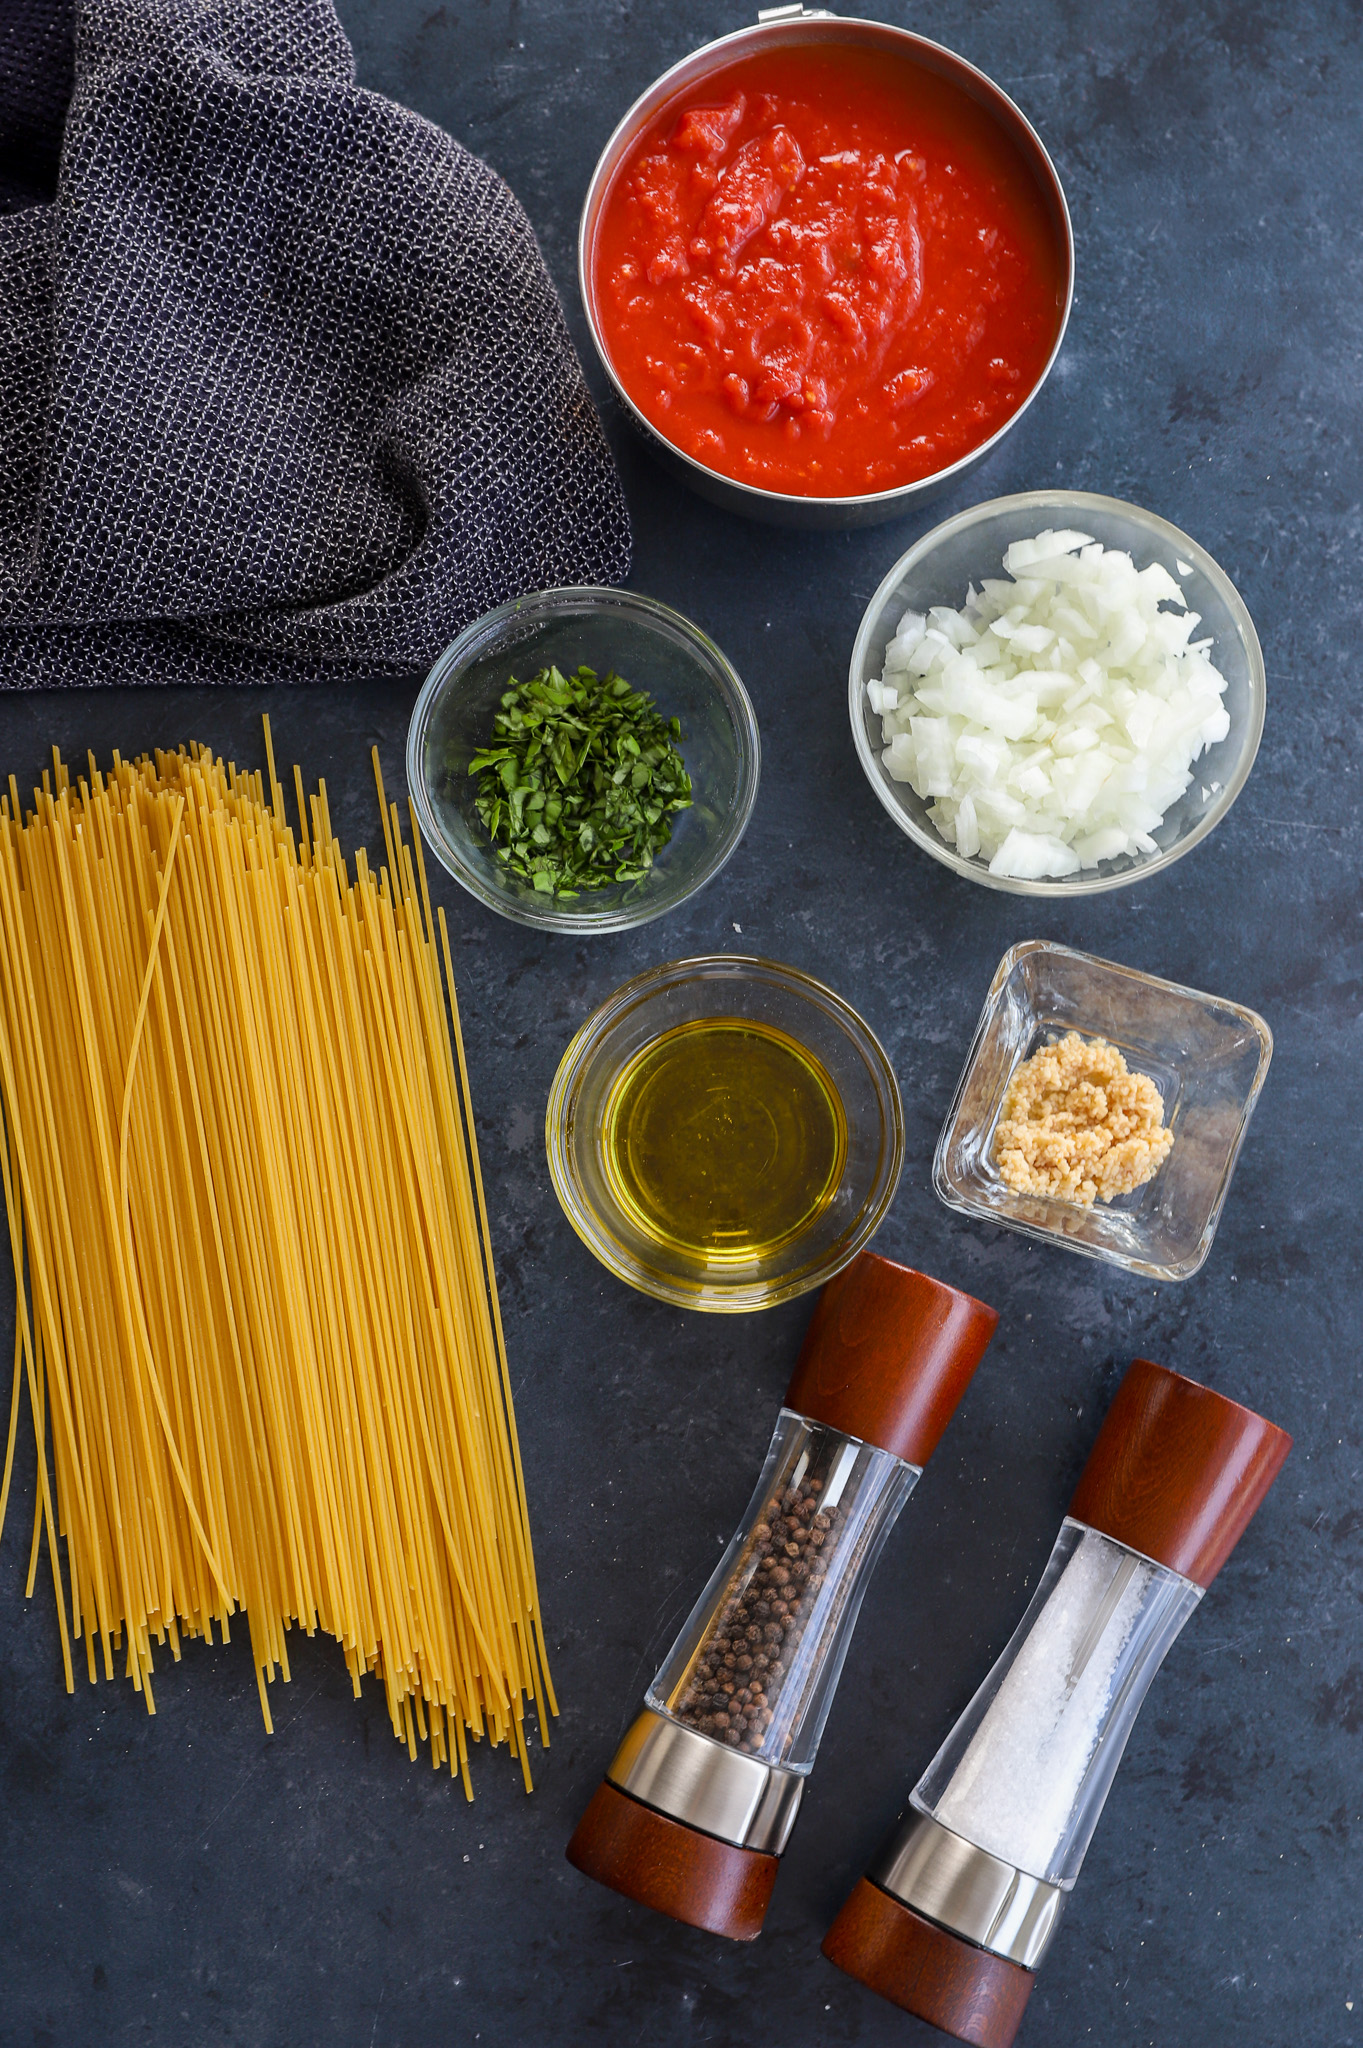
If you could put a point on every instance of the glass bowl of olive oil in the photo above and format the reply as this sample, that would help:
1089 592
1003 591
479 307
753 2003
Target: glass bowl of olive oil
725 1133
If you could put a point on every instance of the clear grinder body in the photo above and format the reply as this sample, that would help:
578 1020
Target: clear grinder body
757 1664
1025 1771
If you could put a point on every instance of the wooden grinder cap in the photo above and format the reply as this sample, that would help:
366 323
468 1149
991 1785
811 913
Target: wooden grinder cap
1178 1471
660 1862
960 1989
887 1356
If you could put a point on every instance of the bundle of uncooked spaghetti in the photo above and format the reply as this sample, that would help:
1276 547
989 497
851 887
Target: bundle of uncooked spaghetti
257 1317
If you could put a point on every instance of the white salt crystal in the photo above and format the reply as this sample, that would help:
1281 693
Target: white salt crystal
1014 1791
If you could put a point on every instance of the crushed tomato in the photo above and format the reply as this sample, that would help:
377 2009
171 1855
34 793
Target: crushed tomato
831 275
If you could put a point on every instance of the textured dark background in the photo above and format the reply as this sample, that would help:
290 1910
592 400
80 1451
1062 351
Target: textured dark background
188 1880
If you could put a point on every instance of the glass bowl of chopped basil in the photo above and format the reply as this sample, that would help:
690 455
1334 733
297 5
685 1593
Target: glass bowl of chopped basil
583 759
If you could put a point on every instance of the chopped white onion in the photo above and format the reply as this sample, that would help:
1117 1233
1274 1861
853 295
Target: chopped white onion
1053 722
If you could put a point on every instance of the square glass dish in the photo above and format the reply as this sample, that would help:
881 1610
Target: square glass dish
1207 1057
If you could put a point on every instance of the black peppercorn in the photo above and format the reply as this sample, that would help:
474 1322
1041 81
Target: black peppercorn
734 1693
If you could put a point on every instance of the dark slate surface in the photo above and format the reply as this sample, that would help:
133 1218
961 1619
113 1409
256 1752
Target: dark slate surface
188 1880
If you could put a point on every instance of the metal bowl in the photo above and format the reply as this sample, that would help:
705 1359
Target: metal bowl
781 27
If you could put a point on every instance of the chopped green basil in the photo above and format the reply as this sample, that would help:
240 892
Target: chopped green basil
579 782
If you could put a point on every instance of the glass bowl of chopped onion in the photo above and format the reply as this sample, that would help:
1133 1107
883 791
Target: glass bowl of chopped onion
1057 693
564 806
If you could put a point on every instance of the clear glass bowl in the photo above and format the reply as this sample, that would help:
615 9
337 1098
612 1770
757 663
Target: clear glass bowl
725 985
938 570
653 648
1207 1057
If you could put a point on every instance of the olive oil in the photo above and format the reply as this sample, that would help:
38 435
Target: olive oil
724 1139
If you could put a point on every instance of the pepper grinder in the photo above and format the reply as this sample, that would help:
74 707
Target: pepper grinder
953 1920
701 1796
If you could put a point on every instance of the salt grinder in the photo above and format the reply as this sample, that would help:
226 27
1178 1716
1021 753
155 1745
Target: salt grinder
700 1798
954 1919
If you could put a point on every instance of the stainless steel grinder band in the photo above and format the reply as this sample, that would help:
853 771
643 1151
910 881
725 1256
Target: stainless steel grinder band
970 1892
704 1784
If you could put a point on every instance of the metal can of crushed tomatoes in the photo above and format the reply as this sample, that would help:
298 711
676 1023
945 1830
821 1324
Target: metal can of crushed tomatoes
827 265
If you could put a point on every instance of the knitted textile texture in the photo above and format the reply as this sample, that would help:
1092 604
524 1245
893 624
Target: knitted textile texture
285 389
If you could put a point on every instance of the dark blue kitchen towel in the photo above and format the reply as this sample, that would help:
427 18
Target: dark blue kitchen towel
285 390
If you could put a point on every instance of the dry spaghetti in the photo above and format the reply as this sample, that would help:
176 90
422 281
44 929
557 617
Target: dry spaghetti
257 1316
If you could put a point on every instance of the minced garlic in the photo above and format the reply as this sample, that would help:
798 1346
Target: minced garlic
1078 1125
